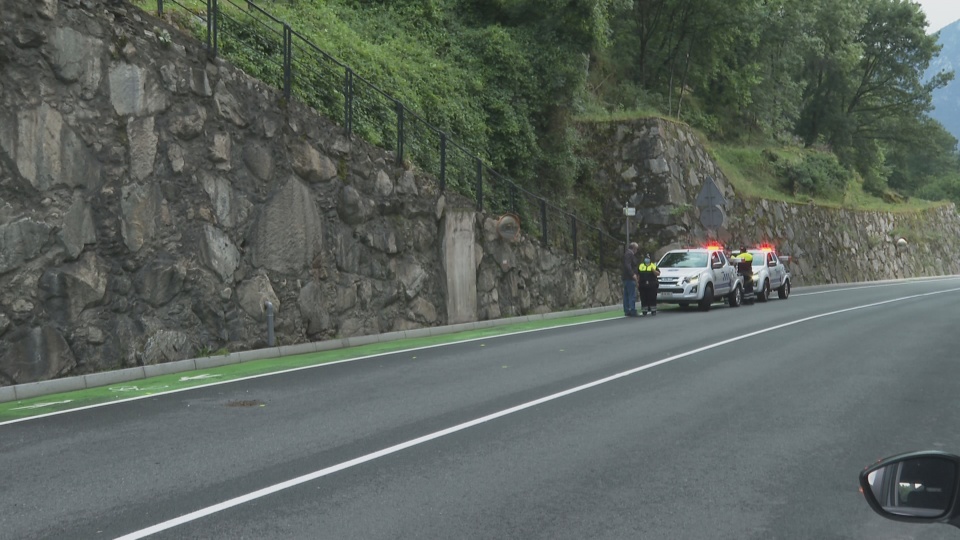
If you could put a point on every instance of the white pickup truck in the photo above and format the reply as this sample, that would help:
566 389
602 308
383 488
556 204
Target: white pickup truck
769 273
701 276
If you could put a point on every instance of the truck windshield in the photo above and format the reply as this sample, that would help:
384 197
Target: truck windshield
683 259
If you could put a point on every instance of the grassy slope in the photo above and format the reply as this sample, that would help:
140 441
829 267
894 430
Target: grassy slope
411 56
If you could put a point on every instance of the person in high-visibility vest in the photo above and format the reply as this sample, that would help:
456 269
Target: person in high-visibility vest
745 269
648 283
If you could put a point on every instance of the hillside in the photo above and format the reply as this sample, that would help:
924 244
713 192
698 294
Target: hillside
510 84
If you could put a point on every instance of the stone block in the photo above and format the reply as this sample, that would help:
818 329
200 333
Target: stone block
258 354
208 362
45 388
7 393
300 348
167 368
462 327
417 333
331 344
357 341
118 376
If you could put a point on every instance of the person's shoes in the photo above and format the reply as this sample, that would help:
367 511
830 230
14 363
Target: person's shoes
644 313
654 313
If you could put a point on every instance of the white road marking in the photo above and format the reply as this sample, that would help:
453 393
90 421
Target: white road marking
877 285
193 516
135 388
41 405
200 377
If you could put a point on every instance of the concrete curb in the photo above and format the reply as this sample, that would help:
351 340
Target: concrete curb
19 392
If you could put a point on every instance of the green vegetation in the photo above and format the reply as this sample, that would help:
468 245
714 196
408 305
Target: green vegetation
803 100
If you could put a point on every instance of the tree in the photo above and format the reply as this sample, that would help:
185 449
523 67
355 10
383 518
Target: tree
926 153
860 91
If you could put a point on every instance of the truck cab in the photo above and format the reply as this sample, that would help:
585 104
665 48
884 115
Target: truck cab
701 276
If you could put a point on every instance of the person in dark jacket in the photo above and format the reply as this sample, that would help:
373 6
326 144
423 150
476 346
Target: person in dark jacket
629 271
648 281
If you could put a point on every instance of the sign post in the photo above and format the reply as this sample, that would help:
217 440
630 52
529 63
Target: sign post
629 211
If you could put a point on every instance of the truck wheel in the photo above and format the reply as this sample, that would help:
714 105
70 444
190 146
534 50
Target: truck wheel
704 304
764 293
736 297
784 291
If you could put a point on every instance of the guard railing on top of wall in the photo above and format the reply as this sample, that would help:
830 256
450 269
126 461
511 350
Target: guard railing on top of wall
311 75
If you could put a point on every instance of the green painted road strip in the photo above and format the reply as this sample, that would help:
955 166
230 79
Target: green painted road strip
175 382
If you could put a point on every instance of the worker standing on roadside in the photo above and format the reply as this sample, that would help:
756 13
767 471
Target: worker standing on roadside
648 283
745 268
630 280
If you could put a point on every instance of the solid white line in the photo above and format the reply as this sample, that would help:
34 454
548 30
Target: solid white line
460 427
907 282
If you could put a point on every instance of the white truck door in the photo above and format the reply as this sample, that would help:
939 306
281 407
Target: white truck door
722 276
776 271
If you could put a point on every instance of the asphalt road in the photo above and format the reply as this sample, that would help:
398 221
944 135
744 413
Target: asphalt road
739 423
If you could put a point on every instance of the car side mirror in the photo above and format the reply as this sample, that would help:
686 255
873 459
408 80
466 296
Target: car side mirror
920 487
717 265
772 264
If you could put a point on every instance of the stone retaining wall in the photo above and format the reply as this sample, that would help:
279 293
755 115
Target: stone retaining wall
153 198
660 166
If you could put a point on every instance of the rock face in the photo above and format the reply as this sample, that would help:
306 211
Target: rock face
153 198
659 167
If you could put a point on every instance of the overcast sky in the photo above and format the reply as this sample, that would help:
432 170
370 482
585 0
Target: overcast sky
940 13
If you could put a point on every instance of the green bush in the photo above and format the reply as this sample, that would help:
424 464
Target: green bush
817 174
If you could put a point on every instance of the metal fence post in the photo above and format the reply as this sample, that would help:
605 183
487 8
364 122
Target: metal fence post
348 101
287 61
209 25
479 185
443 162
399 133
600 248
216 23
160 8
573 233
543 221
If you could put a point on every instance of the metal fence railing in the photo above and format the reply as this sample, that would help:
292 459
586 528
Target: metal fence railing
303 71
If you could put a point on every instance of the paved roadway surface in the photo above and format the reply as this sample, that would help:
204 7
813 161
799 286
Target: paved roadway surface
761 437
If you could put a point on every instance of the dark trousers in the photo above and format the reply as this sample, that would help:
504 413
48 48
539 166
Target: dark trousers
629 297
648 297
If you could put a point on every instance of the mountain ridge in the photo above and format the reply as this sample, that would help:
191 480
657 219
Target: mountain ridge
946 100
